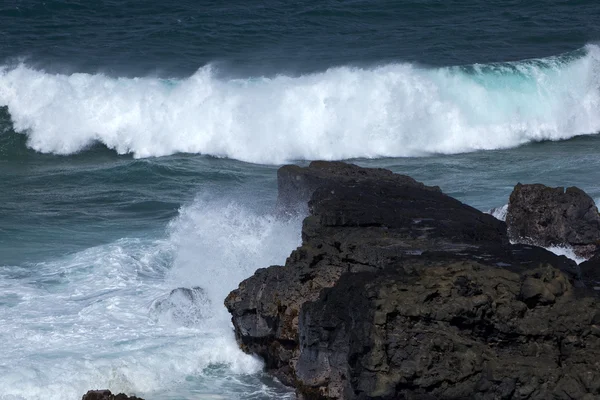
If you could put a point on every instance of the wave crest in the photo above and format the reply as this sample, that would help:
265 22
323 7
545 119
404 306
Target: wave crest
393 110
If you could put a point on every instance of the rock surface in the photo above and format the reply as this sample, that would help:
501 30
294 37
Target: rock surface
399 291
107 395
590 271
546 216
296 184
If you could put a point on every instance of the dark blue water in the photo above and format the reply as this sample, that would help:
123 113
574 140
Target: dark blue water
165 37
139 143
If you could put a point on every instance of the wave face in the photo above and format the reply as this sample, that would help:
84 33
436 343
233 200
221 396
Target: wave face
394 110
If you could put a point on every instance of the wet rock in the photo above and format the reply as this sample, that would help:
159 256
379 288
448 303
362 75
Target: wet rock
184 306
400 291
546 216
107 395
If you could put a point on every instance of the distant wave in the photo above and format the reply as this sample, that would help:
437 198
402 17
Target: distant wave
345 112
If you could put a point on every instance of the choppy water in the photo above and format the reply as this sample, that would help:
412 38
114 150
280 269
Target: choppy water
139 146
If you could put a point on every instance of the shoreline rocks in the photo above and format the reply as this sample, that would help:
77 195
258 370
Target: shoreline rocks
400 291
107 395
546 216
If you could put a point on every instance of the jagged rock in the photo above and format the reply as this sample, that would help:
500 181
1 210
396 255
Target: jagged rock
399 291
107 395
546 216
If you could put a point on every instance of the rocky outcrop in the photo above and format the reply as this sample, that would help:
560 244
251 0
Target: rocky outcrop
107 395
399 291
546 216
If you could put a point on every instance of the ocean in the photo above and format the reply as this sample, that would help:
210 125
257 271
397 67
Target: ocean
139 144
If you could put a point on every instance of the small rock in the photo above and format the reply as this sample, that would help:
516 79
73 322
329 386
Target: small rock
184 306
546 216
107 395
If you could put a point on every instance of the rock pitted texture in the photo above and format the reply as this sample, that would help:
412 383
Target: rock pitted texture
450 330
107 395
399 291
547 216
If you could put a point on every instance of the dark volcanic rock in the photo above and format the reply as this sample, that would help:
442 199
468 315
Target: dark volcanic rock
107 395
296 184
450 330
590 271
399 291
548 216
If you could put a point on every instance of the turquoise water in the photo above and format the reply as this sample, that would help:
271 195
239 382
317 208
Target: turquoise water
139 147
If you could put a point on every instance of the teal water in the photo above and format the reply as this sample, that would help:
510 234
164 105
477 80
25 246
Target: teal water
139 146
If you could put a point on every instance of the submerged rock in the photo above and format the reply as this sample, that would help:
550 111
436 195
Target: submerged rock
546 216
400 291
107 395
184 306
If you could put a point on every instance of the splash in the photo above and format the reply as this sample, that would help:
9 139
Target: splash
107 317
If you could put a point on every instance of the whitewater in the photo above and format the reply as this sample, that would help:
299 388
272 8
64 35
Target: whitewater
392 110
89 319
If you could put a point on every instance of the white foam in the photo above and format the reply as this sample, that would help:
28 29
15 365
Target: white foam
566 251
387 111
85 321
219 244
563 250
499 212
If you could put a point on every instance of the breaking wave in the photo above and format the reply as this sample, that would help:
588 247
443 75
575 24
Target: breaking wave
346 112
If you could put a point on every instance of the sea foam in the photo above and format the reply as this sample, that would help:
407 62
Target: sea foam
345 112
86 320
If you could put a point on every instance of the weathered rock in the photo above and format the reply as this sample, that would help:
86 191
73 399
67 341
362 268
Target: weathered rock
546 216
450 330
107 395
399 291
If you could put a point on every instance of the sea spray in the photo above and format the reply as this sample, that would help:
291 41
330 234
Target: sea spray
86 320
220 243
